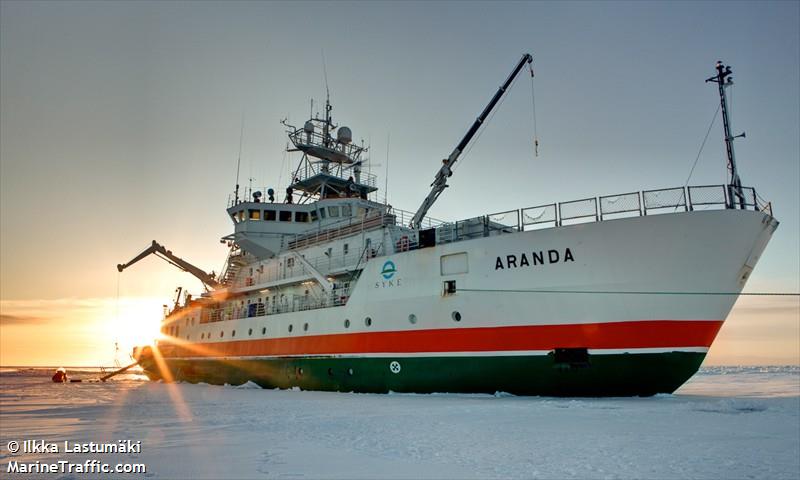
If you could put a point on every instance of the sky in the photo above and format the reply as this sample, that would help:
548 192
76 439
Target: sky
120 123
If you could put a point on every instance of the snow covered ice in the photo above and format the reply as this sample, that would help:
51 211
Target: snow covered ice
725 423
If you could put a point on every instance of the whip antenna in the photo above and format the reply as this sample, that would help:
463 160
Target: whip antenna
533 109
239 162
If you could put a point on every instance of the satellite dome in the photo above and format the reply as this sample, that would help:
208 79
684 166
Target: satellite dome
308 127
344 135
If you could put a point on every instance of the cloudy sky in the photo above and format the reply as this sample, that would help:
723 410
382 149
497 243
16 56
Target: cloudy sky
120 122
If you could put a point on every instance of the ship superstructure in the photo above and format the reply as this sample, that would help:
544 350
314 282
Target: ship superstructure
329 289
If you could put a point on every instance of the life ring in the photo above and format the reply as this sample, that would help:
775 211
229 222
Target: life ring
403 244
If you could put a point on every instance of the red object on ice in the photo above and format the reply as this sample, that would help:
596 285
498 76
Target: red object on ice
60 376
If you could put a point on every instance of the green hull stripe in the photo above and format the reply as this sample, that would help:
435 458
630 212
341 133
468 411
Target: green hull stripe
602 375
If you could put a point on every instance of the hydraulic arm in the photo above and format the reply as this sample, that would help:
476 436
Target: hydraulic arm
161 252
440 182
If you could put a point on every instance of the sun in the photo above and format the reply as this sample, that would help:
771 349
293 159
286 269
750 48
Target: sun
134 321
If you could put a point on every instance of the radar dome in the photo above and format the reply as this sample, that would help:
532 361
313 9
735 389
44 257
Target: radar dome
308 127
344 135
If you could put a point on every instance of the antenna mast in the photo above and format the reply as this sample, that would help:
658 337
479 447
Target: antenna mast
723 79
440 182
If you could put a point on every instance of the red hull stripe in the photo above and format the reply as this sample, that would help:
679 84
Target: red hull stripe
611 335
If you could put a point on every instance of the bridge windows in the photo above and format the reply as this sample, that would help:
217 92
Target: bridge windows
254 214
269 215
333 211
347 210
301 217
285 216
314 216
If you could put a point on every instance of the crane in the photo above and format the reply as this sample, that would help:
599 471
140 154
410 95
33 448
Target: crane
440 182
161 252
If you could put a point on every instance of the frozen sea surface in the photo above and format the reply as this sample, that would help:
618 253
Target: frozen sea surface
725 423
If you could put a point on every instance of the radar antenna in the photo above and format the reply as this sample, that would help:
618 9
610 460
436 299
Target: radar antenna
440 181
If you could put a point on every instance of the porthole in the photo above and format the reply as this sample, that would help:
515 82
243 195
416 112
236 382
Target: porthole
291 327
233 333
305 327
330 372
412 319
221 334
202 336
456 316
250 331
264 331
350 371
368 321
347 323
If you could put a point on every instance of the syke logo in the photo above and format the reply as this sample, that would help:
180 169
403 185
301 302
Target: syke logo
388 270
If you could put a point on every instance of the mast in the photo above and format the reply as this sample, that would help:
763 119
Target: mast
440 181
723 79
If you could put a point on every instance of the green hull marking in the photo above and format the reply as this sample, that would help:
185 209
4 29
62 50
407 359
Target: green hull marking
641 374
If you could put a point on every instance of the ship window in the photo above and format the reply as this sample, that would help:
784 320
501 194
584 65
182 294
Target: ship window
233 216
412 319
221 334
250 332
346 248
255 214
456 316
346 323
368 321
290 262
301 217
291 327
347 210
349 371
240 215
285 216
269 215
233 333
322 213
314 216
333 211
263 330
305 327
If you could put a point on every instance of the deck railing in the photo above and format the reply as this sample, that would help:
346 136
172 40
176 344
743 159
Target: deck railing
596 209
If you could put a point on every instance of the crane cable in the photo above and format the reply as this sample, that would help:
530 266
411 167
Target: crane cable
533 109
485 124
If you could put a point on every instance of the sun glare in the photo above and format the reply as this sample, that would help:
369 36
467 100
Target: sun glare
137 322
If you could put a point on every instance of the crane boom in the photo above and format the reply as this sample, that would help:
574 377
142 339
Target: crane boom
440 182
160 251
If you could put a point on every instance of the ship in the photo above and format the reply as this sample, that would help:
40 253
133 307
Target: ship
331 289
